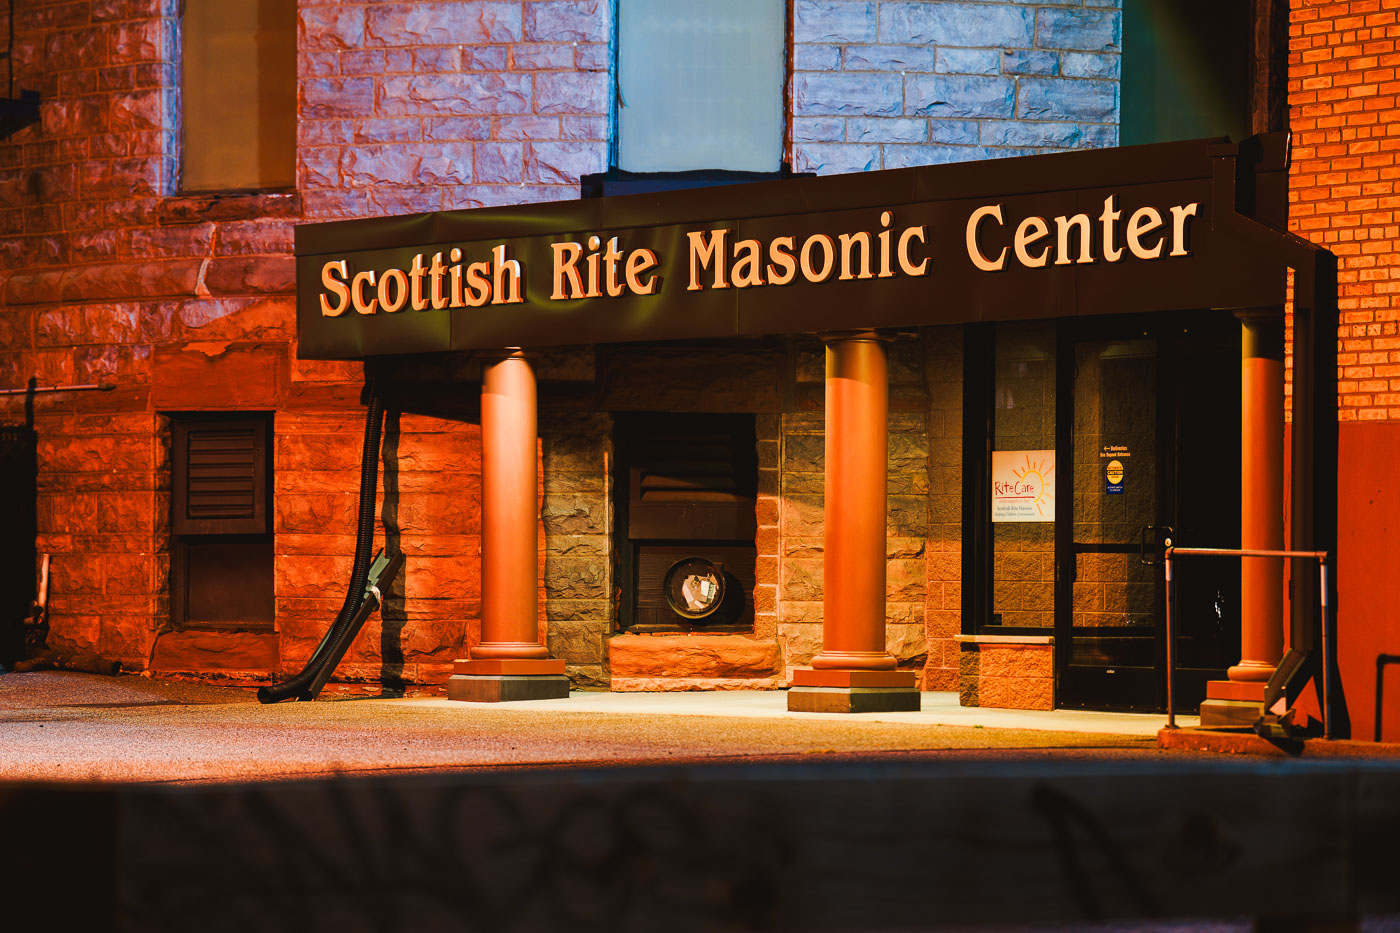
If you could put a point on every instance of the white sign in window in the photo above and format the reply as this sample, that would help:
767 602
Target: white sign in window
1023 485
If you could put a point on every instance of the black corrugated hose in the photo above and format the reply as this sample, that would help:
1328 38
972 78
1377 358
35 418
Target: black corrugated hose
304 685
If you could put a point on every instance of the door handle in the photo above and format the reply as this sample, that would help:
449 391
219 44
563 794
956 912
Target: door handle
1145 548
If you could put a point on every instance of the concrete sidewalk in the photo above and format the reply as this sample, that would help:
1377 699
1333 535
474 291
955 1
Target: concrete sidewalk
62 726
938 709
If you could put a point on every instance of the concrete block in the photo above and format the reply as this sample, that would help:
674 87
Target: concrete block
563 162
1082 30
834 21
861 95
1068 99
1090 65
810 57
1049 135
455 94
887 130
889 58
959 96
498 163
336 97
572 92
1027 62
568 21
819 129
443 23
986 25
485 57
968 61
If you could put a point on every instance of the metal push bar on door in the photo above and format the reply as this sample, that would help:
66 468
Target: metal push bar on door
1320 556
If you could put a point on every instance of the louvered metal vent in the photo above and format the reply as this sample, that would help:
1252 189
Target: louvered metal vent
220 478
684 467
222 473
690 476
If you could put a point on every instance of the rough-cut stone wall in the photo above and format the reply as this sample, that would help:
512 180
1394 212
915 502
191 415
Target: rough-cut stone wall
108 273
430 106
943 374
894 83
577 520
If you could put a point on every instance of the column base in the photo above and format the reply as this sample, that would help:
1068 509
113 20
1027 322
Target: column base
1232 704
500 680
503 688
853 692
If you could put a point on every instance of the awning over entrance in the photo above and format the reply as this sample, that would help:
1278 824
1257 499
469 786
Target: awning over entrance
1097 232
1177 226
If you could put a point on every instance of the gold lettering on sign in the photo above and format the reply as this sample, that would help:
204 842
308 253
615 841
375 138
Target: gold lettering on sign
1144 236
357 295
335 286
974 252
640 261
704 253
506 276
782 262
1144 220
400 282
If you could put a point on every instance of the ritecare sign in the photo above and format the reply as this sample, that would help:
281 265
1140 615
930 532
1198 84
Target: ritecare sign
1096 232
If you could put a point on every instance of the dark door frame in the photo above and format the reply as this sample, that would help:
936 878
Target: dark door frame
1146 692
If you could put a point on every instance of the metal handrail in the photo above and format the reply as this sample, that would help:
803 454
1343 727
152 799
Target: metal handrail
1321 557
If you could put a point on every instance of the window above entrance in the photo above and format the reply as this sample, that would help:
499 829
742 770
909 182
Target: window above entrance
700 86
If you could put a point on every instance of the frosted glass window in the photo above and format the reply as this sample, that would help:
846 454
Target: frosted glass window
700 85
239 89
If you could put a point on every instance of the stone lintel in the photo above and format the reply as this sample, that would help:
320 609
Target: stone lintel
504 688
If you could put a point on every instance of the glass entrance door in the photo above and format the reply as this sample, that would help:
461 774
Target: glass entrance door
1109 599
1148 425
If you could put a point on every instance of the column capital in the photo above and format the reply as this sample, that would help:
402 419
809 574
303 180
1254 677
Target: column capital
837 336
1262 315
502 354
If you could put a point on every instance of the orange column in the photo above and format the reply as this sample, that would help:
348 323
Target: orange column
854 672
1237 701
509 663
1261 501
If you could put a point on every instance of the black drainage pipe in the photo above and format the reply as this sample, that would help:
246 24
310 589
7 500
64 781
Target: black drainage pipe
307 684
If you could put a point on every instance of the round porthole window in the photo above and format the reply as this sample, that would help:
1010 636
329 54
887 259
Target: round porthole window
694 587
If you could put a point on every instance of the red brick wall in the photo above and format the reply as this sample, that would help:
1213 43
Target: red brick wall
1344 100
1342 94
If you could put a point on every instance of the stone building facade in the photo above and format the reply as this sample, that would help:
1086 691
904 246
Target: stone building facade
183 303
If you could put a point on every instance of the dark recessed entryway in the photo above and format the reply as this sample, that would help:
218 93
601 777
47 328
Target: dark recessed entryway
685 520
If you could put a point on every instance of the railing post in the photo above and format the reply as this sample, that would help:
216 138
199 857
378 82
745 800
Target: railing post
1171 636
